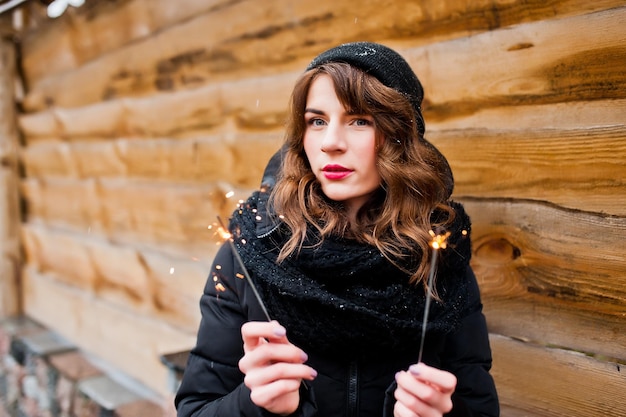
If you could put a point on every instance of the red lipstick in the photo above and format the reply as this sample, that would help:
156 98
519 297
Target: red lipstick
335 172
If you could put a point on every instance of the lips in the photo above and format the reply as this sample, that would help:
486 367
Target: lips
336 172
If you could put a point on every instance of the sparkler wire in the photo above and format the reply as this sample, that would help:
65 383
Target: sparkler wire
245 270
429 296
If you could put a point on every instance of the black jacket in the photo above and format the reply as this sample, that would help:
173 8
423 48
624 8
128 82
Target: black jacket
355 349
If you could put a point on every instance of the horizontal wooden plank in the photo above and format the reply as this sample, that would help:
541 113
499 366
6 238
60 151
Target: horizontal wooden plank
129 341
200 109
508 411
54 158
551 275
581 169
82 34
237 158
258 103
566 115
10 303
172 216
255 39
144 280
527 64
65 255
537 381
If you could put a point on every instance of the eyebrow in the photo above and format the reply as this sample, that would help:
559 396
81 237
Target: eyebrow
315 111
320 112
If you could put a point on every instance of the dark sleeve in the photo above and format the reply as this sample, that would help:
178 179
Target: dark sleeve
467 355
212 384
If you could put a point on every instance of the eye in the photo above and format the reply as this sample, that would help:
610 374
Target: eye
363 122
315 122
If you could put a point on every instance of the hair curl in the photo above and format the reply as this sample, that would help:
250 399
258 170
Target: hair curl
398 217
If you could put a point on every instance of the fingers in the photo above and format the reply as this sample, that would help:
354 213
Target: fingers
271 353
443 380
273 367
266 343
280 397
255 333
424 391
279 371
269 357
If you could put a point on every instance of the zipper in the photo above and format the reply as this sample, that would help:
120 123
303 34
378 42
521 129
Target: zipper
266 234
353 390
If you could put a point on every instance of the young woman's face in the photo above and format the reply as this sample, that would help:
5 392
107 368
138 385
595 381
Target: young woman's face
340 147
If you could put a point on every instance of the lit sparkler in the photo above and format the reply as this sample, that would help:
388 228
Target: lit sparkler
438 242
225 234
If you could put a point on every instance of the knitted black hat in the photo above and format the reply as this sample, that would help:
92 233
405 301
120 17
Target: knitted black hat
391 69
383 63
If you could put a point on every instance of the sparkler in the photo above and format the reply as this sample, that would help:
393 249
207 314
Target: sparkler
438 242
229 238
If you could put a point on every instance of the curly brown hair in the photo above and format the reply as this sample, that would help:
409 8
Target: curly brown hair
398 217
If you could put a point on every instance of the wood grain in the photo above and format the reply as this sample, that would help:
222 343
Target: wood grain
566 116
10 214
97 28
491 70
551 275
174 216
582 169
113 333
164 285
237 158
258 104
238 39
535 380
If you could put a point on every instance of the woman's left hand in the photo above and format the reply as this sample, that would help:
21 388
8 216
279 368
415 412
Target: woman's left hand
423 391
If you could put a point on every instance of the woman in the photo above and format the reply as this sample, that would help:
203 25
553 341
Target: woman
337 243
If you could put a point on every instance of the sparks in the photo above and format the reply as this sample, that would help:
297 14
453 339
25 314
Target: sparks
223 233
229 238
438 242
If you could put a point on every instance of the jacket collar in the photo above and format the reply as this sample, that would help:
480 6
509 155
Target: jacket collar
267 221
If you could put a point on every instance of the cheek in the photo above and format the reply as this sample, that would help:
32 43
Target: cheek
307 151
368 152
309 148
369 156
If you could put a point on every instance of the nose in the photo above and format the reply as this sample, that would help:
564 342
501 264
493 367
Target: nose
334 138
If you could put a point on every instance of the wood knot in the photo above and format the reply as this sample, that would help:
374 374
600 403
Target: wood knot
519 46
497 251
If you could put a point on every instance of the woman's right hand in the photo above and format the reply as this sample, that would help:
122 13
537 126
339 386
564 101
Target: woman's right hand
423 391
273 367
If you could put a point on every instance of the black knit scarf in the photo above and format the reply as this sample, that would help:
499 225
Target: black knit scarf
344 297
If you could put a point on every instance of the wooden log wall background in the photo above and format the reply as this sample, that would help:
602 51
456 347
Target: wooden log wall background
10 217
141 116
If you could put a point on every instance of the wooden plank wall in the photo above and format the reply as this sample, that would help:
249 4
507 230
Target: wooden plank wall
140 116
10 216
